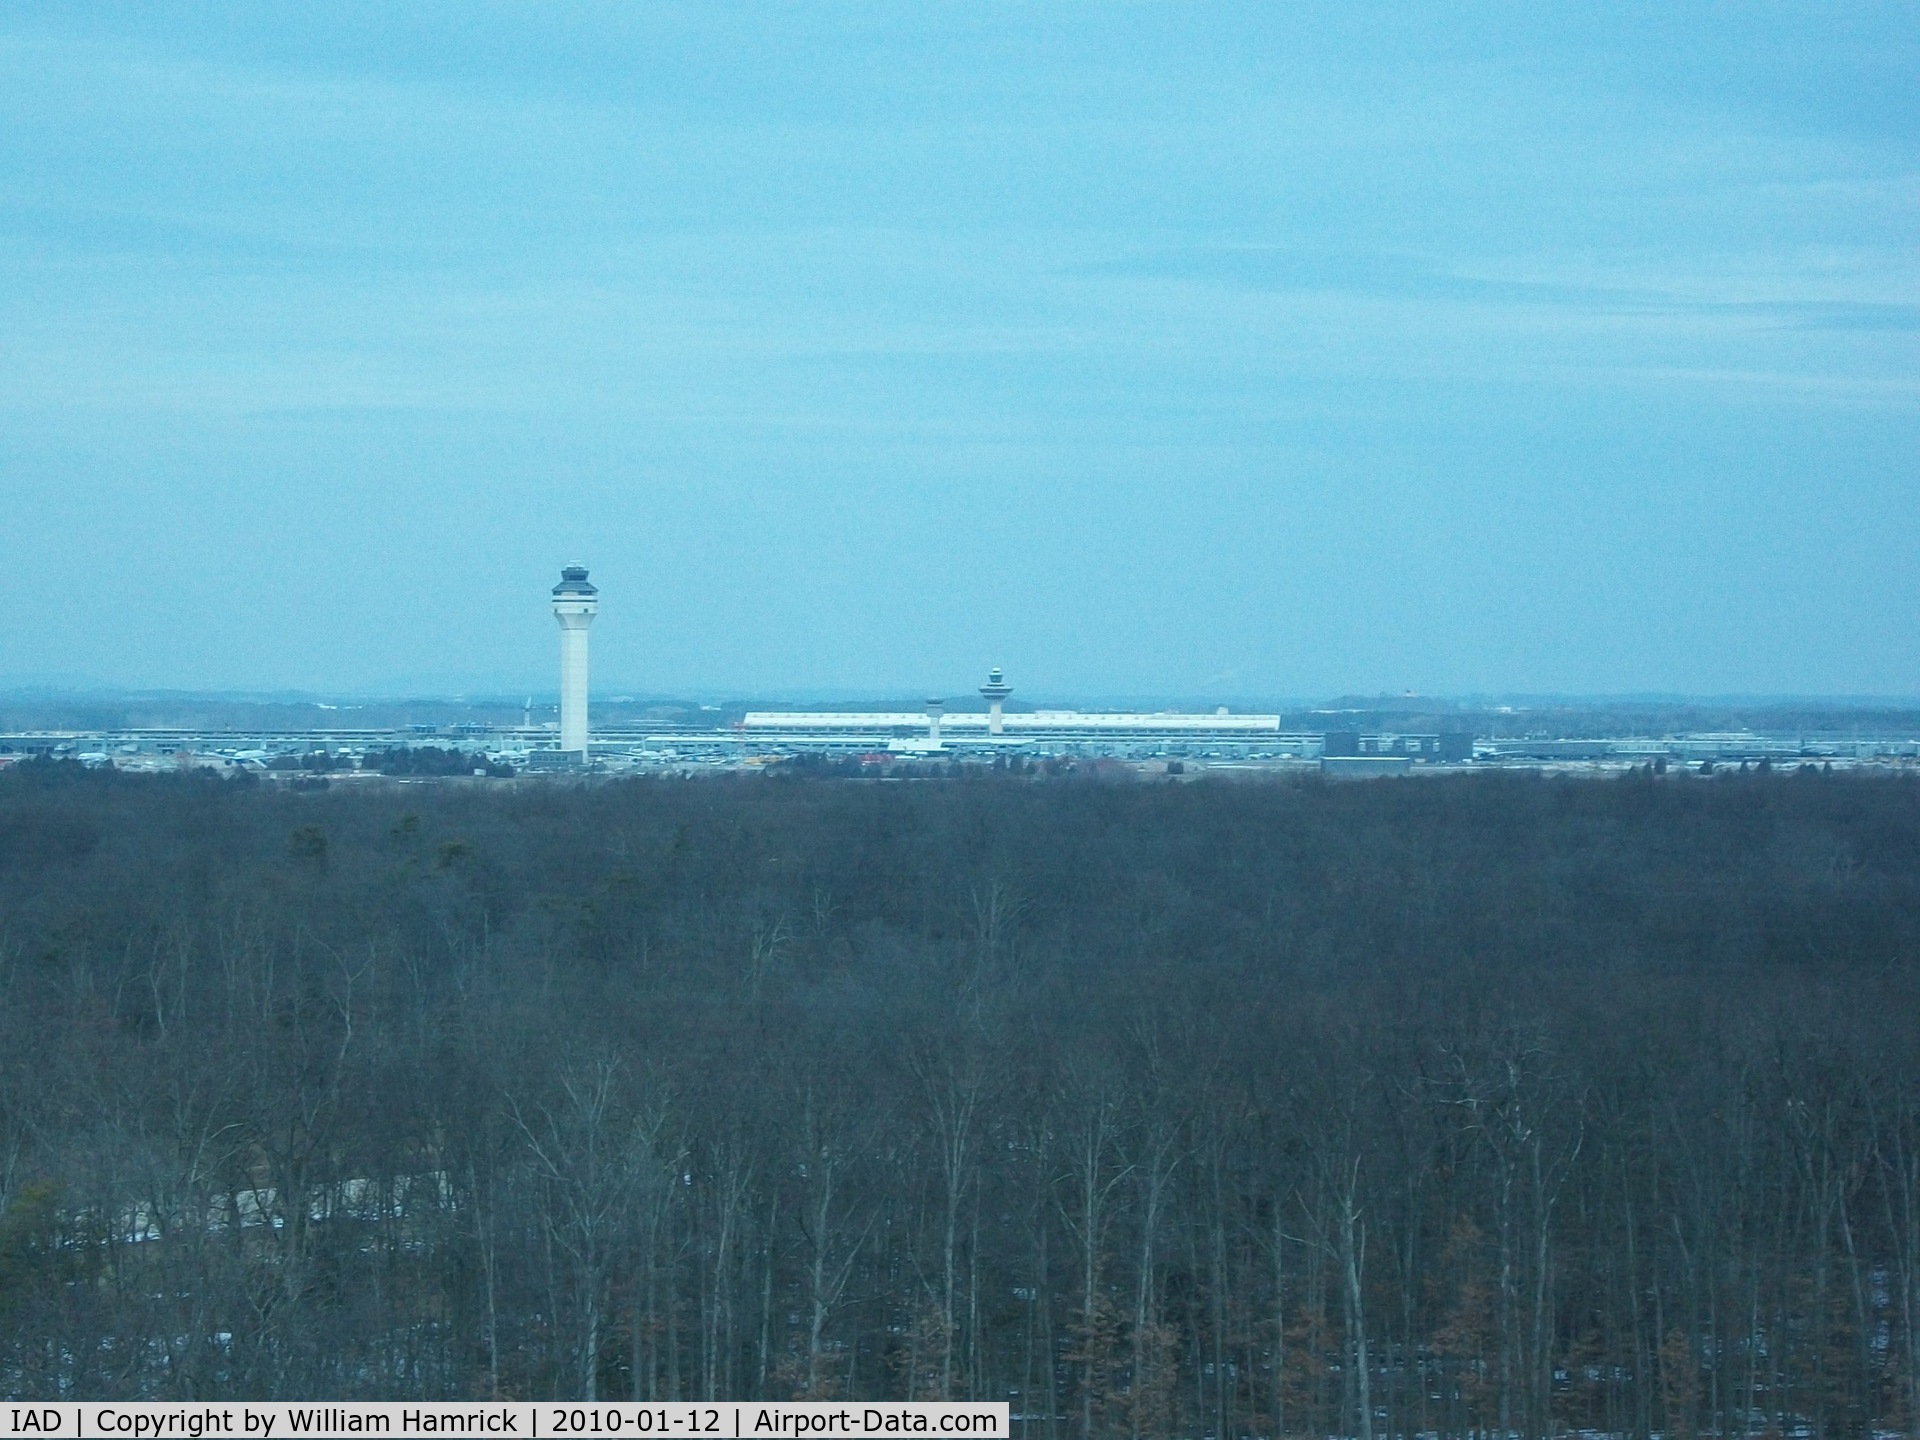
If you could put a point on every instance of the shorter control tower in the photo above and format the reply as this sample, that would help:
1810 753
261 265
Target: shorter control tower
995 691
575 603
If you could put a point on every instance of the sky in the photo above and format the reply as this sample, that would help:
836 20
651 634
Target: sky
1195 350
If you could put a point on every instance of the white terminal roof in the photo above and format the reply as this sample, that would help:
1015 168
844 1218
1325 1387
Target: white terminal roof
1022 722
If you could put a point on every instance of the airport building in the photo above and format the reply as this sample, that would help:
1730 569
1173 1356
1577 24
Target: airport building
940 728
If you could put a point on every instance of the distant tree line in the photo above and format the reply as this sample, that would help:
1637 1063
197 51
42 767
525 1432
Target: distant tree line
431 760
395 760
1476 1105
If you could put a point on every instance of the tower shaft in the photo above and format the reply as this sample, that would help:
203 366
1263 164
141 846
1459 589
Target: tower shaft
573 689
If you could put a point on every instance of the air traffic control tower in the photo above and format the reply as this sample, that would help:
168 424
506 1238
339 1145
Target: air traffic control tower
996 691
575 603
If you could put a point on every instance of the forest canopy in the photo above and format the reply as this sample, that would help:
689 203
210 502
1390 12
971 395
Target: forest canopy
1480 1103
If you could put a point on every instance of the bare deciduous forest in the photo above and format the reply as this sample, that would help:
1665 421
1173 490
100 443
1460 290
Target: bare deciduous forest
1488 1104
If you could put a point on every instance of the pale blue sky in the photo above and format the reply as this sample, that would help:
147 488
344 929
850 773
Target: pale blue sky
1267 350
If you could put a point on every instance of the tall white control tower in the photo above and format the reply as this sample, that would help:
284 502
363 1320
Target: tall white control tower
996 691
575 603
